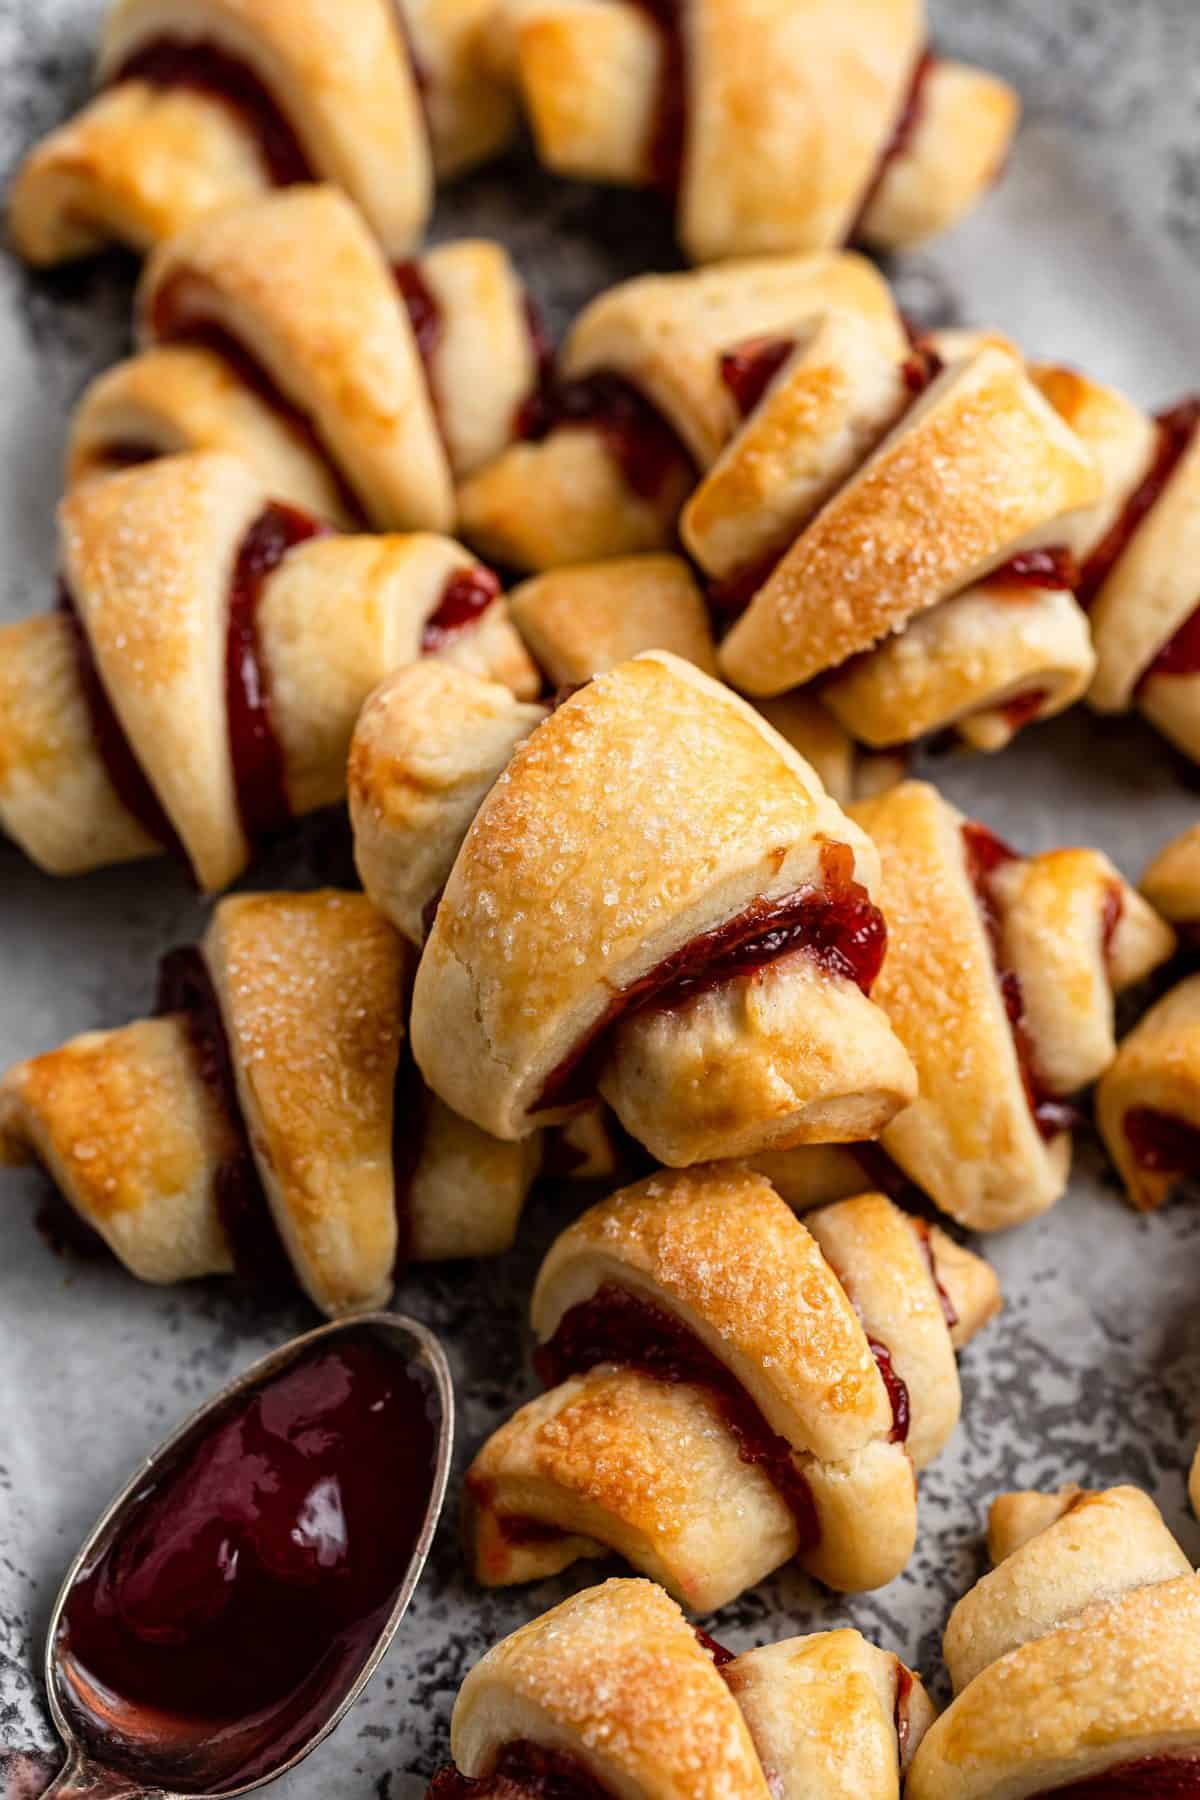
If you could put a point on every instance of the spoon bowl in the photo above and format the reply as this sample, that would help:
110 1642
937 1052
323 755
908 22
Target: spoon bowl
116 1747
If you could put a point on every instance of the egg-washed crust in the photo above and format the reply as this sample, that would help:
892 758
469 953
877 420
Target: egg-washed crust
717 1249
1171 881
297 280
576 877
1120 438
483 364
148 557
969 1140
582 620
132 1138
665 333
979 466
311 989
340 76
469 103
616 1678
466 1193
1157 1067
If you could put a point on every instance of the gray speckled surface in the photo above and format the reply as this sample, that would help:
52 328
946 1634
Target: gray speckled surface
1090 251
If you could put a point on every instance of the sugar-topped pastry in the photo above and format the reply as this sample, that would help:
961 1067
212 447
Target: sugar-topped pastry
1148 1104
1075 1661
268 1118
1000 979
206 103
729 1389
778 129
200 681
641 402
614 1693
655 900
358 388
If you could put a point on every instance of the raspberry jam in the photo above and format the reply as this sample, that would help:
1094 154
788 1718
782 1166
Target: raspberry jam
1161 1143
523 1771
247 1589
904 130
171 63
1180 655
1149 1778
615 1326
465 598
637 437
668 130
838 925
1053 567
749 370
1176 429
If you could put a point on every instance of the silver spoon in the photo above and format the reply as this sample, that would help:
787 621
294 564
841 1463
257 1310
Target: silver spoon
209 1767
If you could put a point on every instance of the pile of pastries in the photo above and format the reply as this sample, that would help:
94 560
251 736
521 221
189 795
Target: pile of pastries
616 654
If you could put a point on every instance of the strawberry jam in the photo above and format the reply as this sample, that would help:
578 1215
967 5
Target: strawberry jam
465 598
903 131
1161 1143
206 69
249 1585
649 454
1176 430
615 1326
523 1771
1149 1778
1053 567
749 370
1180 655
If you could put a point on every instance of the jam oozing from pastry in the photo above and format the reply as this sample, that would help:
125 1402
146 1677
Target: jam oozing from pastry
258 762
668 131
179 315
648 452
985 853
523 1771
425 317
185 986
1176 429
903 132
1022 709
122 767
720 1655
897 1392
949 1310
465 598
207 69
1180 655
749 370
251 1582
615 1326
903 1724
1162 1143
837 925
1052 567
1148 1778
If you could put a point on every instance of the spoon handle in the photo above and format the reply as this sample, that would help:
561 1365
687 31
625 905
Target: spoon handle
79 1779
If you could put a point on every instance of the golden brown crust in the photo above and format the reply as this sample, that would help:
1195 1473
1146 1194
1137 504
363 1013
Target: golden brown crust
1171 882
1158 1068
469 106
465 1195
483 364
582 620
297 279
976 469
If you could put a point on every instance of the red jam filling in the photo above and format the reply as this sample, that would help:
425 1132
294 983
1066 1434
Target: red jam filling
720 1655
838 926
464 599
903 132
637 437
251 1583
1022 709
615 1326
1149 1778
257 755
1052 567
904 1686
1180 655
1162 1143
985 853
897 1392
523 1771
1176 429
259 1258
425 317
949 1310
668 131
170 62
121 766
749 370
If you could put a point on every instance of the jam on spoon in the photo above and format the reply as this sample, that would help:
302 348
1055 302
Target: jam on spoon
238 1594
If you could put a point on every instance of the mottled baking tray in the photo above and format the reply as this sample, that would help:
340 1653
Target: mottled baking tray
1090 252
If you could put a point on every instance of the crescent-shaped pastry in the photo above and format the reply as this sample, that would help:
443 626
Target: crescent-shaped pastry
1137 549
895 528
1171 883
614 1693
1075 1662
355 388
207 103
774 127
658 902
1148 1104
731 1389
201 681
584 619
267 1119
999 979
644 401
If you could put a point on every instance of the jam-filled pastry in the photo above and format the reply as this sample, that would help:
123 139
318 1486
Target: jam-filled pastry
642 401
1171 883
267 1118
587 617
1137 550
205 103
895 528
730 1389
199 684
358 389
1000 979
614 1693
773 129
1148 1104
1075 1662
658 902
